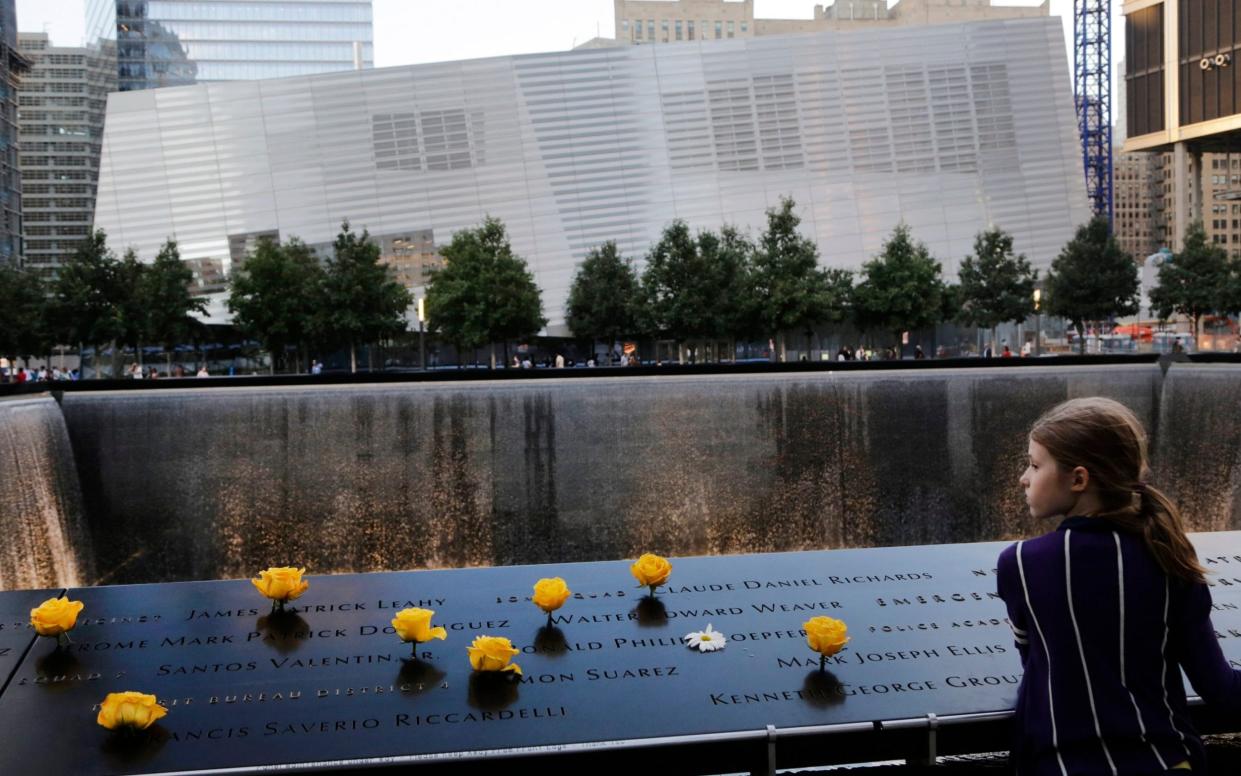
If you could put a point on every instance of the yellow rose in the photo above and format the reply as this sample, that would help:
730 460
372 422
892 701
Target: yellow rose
129 709
415 625
550 594
55 616
281 584
651 570
825 635
493 653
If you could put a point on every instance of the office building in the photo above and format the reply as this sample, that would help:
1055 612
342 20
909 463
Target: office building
62 101
175 42
12 67
669 21
1191 111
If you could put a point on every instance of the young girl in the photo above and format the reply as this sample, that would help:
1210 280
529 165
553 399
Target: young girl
1107 609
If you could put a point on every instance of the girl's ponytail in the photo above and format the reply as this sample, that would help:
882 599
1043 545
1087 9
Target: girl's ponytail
1164 533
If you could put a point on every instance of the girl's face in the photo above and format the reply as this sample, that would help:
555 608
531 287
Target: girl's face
1049 489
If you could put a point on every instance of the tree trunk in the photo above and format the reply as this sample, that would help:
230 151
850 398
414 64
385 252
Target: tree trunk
353 358
168 354
271 366
1195 321
493 356
1081 338
116 353
780 345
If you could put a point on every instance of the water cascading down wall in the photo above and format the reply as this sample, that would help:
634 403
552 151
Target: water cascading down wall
143 486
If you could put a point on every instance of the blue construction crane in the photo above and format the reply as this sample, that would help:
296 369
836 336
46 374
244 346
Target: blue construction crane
1092 93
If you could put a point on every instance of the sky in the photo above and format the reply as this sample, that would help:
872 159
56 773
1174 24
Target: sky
415 31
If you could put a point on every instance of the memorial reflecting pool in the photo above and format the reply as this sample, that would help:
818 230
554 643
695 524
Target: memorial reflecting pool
144 486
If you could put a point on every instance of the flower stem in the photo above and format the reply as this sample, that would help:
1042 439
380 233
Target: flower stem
413 648
652 588
822 662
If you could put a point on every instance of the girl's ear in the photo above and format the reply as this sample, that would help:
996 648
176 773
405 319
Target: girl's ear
1080 479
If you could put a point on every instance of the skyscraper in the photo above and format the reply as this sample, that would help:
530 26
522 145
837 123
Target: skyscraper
177 42
12 66
150 44
63 98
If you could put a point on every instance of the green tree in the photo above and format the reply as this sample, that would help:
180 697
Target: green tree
901 288
363 303
165 293
25 324
696 287
1230 303
85 292
729 255
1092 279
604 299
276 295
950 302
788 290
484 293
996 285
130 303
1195 281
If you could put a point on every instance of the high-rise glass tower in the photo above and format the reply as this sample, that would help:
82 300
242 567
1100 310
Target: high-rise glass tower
12 66
176 42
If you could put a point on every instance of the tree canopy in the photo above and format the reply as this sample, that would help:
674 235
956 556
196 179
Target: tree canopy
166 298
362 301
24 321
1195 281
901 289
696 286
1092 279
277 296
484 293
788 289
996 285
605 297
86 292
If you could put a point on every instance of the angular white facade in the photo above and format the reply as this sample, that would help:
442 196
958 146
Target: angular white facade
950 128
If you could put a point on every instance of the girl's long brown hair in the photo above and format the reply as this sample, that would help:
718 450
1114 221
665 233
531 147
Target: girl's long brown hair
1105 438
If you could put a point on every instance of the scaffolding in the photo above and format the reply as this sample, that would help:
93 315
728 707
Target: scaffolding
1092 92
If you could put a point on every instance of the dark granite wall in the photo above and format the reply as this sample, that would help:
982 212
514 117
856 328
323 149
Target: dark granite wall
201 484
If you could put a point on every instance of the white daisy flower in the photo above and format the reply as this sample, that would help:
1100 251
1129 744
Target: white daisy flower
707 640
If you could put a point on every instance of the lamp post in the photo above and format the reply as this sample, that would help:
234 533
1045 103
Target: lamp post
422 344
1038 322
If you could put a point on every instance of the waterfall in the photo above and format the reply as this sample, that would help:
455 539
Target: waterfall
209 483
44 540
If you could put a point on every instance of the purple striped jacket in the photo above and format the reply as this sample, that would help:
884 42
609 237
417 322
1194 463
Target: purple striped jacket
1103 635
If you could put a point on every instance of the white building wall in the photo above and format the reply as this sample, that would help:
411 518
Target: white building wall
949 128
